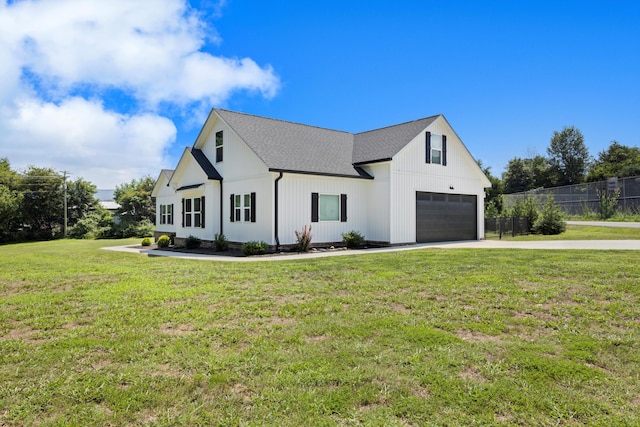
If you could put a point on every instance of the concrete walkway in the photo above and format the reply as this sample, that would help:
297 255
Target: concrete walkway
482 244
606 224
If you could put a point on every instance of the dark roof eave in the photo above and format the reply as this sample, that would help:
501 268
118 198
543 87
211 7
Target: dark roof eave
189 187
362 173
388 159
205 164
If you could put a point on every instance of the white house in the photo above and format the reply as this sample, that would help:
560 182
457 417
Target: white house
255 178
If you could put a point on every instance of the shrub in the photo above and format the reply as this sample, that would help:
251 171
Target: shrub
254 248
551 219
192 242
164 241
146 241
221 243
352 239
303 239
143 228
608 202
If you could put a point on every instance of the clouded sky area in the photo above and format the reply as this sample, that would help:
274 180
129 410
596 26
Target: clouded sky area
114 90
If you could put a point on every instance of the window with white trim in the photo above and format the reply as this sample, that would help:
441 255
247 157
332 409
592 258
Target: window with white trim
436 148
166 214
243 207
328 207
193 212
219 145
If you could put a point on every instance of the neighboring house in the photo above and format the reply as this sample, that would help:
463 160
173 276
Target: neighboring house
254 178
107 200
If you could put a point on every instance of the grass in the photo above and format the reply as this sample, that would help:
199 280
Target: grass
454 337
580 232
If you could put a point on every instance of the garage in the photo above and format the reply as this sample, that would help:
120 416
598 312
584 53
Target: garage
445 217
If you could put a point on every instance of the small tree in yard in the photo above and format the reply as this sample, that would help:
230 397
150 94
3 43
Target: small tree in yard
607 201
551 219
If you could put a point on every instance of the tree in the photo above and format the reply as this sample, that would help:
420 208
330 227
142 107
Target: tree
80 200
42 210
496 190
616 161
135 200
10 200
517 177
568 156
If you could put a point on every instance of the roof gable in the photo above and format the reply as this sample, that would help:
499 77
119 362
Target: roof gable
384 143
293 147
163 179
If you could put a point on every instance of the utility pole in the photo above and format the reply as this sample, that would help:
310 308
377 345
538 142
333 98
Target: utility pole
64 188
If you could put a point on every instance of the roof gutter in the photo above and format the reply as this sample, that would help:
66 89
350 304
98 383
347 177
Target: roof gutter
275 206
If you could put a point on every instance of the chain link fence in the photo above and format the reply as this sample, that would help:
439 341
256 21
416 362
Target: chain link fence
581 199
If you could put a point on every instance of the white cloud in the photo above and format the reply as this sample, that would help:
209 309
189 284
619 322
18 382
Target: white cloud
83 138
57 58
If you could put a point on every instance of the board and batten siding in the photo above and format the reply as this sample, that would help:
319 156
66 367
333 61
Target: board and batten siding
410 173
294 194
211 192
261 229
165 196
378 202
239 161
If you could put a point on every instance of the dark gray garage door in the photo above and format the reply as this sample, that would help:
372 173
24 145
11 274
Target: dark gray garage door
445 217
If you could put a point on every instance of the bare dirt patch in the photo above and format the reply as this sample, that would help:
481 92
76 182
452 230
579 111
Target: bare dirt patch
477 337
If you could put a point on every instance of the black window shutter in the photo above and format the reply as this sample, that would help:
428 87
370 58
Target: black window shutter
202 212
182 212
171 216
444 150
428 145
343 208
314 207
253 207
232 206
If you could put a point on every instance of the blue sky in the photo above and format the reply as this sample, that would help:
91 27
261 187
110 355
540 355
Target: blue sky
115 90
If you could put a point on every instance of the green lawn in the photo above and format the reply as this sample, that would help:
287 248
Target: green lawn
427 337
580 232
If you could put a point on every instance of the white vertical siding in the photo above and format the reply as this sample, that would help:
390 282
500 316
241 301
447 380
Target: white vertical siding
241 231
239 161
411 173
379 202
295 206
165 196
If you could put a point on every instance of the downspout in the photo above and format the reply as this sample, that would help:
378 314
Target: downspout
275 208
221 199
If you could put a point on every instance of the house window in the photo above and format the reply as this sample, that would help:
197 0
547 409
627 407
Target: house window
197 215
436 148
243 207
166 214
219 141
238 207
247 207
193 212
188 206
328 207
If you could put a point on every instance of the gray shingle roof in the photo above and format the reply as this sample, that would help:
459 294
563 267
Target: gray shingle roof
384 143
290 146
293 147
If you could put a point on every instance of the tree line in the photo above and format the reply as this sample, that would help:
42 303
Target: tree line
32 207
567 162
